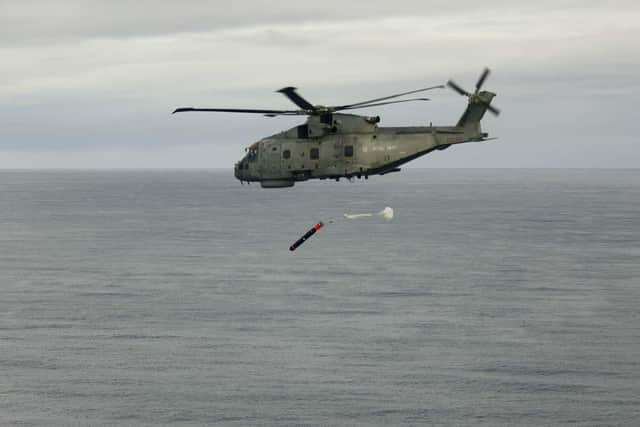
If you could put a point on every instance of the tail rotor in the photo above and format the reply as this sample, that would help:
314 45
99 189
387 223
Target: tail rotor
477 96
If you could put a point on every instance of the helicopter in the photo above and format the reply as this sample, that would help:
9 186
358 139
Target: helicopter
332 144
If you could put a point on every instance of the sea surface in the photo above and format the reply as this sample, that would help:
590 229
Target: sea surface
493 298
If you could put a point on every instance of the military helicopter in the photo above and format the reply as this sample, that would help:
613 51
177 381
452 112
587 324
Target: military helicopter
334 145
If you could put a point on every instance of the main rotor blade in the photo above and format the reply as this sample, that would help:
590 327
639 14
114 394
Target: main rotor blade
453 85
242 110
384 98
482 78
290 92
383 103
493 109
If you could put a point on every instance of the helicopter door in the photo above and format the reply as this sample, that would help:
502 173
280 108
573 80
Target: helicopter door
336 165
345 154
287 157
272 159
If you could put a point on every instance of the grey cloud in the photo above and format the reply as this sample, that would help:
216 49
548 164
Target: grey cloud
44 21
92 83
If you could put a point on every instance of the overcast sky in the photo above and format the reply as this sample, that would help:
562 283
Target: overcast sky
91 84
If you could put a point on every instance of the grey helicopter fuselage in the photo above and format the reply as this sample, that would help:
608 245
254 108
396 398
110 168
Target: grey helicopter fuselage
337 145
332 144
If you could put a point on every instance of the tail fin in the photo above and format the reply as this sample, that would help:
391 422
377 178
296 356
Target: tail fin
479 103
470 119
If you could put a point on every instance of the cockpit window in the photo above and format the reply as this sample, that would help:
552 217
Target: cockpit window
252 154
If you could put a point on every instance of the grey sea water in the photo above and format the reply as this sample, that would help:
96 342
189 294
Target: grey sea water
495 297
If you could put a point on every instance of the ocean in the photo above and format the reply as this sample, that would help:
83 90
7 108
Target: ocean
493 298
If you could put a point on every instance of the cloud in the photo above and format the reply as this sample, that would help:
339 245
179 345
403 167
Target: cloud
43 21
105 74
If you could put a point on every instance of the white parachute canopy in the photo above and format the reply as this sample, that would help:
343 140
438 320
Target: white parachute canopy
386 213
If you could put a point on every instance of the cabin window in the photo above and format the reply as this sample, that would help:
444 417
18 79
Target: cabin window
286 154
303 131
348 150
314 154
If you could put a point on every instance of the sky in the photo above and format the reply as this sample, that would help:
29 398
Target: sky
92 84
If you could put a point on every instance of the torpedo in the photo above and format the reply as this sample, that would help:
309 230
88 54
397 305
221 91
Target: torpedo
307 235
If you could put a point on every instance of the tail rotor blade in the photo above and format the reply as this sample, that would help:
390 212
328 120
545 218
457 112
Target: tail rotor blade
453 85
482 78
